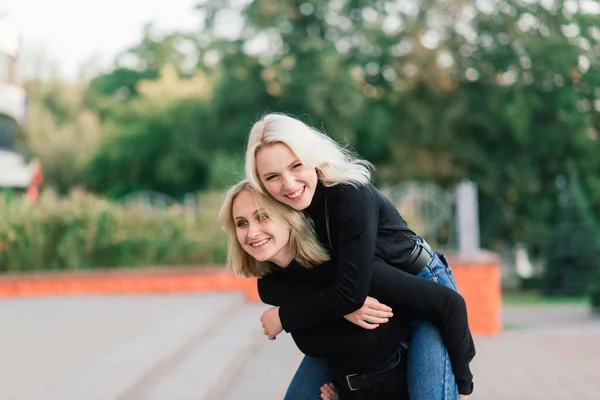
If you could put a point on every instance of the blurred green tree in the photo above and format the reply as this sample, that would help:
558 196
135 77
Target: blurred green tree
503 93
573 246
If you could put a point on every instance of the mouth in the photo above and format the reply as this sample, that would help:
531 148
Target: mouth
260 243
296 194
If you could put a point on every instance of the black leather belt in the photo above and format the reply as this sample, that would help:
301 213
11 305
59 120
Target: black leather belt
420 256
380 375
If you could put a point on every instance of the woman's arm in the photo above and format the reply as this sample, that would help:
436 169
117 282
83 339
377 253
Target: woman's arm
441 305
354 218
276 290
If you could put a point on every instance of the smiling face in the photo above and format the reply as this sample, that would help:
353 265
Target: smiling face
285 177
266 238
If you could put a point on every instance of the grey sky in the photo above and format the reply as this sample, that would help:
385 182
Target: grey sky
75 32
71 32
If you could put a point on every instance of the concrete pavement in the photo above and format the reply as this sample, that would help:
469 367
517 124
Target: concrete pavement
210 346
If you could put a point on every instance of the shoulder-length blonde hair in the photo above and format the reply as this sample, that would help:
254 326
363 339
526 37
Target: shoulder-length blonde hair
313 148
307 249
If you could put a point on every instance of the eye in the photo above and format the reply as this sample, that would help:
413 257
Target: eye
270 178
263 217
296 165
241 224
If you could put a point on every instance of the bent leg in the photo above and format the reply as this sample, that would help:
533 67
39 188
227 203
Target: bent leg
310 376
430 375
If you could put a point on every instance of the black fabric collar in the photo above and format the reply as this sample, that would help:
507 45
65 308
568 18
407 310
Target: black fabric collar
318 201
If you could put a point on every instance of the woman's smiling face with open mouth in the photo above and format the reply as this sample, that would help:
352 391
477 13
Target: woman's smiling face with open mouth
285 177
264 237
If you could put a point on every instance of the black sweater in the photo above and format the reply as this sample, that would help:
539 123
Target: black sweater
364 224
345 347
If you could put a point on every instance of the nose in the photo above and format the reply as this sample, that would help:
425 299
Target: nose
253 230
288 181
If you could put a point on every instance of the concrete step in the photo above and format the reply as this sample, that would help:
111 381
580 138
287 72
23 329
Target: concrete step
114 375
268 373
209 364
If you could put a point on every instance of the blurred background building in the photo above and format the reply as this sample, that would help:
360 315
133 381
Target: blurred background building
14 172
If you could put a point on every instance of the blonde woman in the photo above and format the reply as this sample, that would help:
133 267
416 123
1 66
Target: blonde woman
266 239
306 170
278 245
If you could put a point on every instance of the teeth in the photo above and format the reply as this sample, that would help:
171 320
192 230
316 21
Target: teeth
258 244
296 193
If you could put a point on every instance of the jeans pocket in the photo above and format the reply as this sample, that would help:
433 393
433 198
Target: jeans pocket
428 273
447 279
443 270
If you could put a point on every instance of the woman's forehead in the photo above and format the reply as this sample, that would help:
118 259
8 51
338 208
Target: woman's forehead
244 201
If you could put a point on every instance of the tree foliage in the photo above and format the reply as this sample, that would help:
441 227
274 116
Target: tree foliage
573 246
505 93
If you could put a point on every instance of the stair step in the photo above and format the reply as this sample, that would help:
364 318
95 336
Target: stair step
114 375
211 362
268 373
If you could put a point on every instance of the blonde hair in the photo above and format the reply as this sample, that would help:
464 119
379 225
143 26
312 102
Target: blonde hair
307 250
313 148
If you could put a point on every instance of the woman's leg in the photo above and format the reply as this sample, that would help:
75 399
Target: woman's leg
310 376
430 375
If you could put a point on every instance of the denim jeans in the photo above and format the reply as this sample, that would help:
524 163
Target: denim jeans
430 375
310 376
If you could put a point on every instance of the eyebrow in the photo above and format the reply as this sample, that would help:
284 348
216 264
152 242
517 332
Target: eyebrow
297 160
254 213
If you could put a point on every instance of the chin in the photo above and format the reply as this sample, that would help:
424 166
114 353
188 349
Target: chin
296 205
301 205
260 257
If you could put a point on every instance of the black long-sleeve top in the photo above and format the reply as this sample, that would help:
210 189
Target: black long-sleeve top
364 224
345 347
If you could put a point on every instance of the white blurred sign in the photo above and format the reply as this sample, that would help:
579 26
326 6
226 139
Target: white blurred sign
13 170
13 101
9 38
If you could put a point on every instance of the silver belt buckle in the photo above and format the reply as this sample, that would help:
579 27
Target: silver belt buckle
348 382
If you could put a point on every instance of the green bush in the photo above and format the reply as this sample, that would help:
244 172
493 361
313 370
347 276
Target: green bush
572 251
84 231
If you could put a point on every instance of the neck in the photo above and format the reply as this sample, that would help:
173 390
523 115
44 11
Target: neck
284 257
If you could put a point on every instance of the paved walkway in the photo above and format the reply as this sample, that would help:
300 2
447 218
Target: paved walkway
547 352
539 365
210 346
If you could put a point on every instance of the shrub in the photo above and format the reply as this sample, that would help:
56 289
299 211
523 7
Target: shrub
572 250
84 231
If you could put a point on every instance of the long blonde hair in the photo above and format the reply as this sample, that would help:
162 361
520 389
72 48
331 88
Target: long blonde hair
307 250
313 148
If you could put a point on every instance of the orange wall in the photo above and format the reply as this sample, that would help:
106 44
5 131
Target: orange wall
478 280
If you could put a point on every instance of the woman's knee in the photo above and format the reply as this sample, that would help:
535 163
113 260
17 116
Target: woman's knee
312 373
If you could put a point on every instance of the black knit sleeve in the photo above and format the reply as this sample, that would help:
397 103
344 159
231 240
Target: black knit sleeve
441 305
354 217
276 290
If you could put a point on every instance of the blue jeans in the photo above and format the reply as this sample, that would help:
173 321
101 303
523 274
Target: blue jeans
310 376
430 375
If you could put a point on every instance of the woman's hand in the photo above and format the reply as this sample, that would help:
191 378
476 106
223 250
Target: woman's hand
271 323
371 314
329 392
